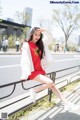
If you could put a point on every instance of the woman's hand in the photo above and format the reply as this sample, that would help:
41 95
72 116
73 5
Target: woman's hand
41 30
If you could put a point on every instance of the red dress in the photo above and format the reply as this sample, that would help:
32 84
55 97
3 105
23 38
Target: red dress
36 61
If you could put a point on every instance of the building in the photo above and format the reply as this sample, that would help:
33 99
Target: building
28 16
11 28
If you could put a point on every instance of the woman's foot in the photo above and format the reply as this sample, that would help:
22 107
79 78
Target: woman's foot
71 106
33 95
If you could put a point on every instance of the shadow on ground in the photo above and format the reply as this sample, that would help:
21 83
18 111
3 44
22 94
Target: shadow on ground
65 116
59 113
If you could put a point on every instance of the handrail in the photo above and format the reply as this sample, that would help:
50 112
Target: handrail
10 93
17 82
67 68
52 76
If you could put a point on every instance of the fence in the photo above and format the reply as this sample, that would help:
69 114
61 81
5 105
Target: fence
13 105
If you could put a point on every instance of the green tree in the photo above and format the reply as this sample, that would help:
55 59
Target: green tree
25 32
45 23
68 19
22 17
11 40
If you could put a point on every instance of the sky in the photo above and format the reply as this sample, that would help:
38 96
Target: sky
41 9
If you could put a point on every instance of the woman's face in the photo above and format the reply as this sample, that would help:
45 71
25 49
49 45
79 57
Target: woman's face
36 36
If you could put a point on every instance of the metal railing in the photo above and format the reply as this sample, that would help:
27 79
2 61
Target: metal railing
52 75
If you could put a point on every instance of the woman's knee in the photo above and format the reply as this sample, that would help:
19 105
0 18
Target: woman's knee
50 84
45 80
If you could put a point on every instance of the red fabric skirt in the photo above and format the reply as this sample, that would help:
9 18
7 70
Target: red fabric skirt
36 73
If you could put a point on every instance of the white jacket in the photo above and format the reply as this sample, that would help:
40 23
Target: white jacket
26 59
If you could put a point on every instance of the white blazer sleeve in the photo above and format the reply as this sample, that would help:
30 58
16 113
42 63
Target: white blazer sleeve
48 55
26 62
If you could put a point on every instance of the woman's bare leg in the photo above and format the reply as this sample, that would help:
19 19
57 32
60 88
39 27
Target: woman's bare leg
48 83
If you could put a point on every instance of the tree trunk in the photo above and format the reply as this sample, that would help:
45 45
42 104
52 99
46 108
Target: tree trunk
66 46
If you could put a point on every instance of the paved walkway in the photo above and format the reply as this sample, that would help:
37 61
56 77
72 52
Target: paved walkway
13 52
58 112
10 52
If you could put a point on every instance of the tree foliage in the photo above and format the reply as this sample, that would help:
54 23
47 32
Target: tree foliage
68 19
22 17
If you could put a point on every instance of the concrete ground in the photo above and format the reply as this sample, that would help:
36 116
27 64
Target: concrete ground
10 52
58 112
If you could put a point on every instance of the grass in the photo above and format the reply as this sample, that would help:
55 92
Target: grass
71 86
43 103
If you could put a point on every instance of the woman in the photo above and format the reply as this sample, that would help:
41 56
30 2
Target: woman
32 53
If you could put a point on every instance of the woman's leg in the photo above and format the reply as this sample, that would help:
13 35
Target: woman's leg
48 83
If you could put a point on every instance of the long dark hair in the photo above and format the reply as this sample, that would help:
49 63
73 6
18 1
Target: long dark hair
39 43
